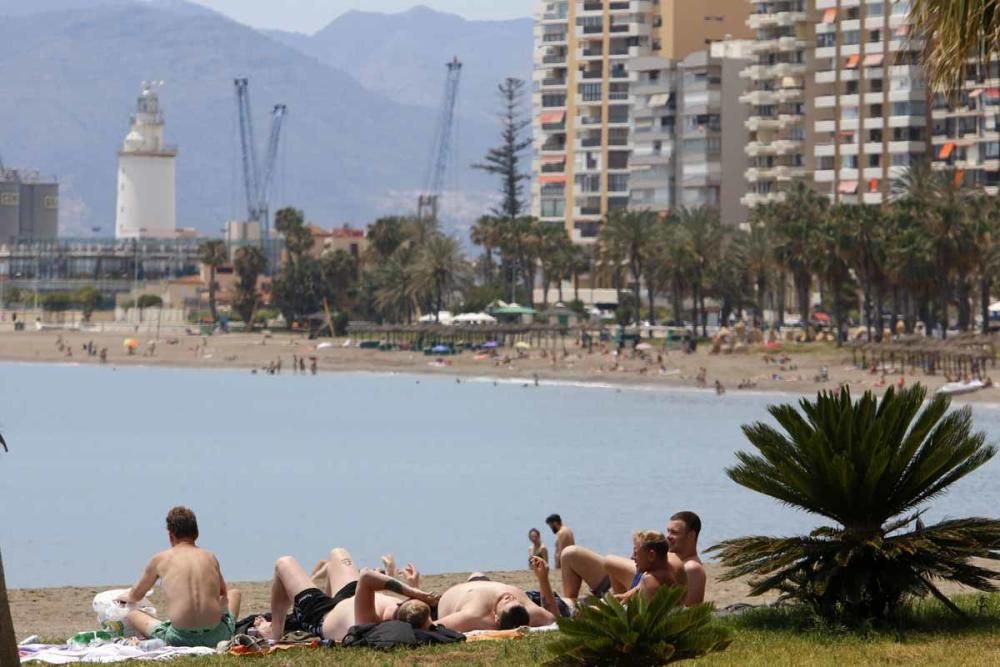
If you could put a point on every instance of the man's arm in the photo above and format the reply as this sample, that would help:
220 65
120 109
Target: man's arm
541 569
370 583
145 583
696 583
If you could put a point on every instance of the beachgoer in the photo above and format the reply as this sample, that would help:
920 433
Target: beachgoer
564 536
201 608
358 599
537 549
312 365
682 534
621 575
719 389
490 605
302 366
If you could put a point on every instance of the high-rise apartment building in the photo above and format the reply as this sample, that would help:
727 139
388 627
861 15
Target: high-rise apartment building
583 94
966 130
871 111
779 94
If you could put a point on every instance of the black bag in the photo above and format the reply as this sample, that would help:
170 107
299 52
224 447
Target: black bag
393 634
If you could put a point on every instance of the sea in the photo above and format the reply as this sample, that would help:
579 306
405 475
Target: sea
449 475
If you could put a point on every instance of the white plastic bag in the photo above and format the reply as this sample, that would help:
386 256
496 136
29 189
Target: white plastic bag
112 614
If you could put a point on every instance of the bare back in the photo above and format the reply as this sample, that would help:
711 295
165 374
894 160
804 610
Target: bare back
564 538
192 583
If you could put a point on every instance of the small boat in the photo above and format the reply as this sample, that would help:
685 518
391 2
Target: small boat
958 388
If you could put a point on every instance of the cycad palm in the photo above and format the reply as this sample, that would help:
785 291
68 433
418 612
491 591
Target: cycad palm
656 632
870 466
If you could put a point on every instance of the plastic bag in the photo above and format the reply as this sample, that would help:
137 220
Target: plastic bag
111 613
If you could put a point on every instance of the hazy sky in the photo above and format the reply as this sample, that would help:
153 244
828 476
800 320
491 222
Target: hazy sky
311 15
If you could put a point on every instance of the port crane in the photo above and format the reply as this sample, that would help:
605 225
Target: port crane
258 178
444 133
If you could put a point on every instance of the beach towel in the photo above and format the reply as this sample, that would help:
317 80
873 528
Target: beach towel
64 654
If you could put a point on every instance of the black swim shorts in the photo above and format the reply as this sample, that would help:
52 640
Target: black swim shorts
312 605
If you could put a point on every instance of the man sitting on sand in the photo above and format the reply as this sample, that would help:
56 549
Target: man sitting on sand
201 609
358 599
623 576
682 534
490 605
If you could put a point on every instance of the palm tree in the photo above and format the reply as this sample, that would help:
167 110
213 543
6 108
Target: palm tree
396 295
439 268
704 234
984 221
8 639
799 217
630 233
552 244
760 257
486 233
870 467
954 32
830 244
213 254
249 264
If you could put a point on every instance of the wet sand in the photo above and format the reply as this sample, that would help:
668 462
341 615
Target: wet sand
574 364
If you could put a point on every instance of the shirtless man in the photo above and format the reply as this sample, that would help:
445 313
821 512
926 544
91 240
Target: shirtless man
564 536
621 575
201 609
682 533
357 600
489 605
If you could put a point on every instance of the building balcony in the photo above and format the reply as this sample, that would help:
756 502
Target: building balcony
756 123
777 20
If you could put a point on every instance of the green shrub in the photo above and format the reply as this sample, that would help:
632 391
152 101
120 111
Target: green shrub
870 466
644 633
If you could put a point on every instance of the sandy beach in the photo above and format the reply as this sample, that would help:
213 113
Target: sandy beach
797 375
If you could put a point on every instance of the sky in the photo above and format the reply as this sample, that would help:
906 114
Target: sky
311 15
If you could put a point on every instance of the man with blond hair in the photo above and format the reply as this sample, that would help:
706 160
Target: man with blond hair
200 607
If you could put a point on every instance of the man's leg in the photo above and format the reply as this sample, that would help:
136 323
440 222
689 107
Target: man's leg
289 580
580 565
621 571
235 597
341 570
142 622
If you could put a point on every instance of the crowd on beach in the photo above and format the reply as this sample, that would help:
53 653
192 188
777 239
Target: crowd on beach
338 597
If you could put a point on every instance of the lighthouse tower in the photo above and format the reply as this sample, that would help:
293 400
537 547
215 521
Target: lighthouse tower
146 175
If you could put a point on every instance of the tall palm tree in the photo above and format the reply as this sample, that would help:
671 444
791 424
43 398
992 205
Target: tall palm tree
870 467
799 217
552 244
249 264
213 254
760 256
396 296
984 226
486 233
955 31
630 233
830 245
8 639
704 233
439 268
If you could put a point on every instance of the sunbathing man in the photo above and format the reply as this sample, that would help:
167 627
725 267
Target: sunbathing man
490 605
682 533
331 617
201 609
623 576
564 536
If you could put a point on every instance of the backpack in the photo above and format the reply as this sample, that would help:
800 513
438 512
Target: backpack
392 634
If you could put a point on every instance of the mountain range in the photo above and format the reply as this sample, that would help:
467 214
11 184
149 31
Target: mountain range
363 99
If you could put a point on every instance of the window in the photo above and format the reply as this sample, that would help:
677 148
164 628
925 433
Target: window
591 92
554 100
553 208
617 182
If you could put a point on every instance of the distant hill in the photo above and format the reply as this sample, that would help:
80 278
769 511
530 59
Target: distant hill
403 55
69 78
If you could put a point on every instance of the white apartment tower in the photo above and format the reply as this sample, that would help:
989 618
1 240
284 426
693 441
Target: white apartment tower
146 175
778 93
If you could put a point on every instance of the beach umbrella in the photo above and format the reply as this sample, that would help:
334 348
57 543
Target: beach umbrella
521 345
440 349
131 343
490 345
645 347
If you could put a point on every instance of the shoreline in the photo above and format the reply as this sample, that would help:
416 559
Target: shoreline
572 367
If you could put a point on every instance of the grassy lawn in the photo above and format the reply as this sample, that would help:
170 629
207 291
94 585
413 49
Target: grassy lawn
927 634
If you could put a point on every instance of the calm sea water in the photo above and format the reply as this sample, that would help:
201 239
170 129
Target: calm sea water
449 476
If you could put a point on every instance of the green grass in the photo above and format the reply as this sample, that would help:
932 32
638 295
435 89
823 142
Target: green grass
925 634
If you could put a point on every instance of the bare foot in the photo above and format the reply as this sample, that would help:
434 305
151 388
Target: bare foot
389 563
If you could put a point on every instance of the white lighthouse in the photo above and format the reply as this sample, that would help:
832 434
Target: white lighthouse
146 175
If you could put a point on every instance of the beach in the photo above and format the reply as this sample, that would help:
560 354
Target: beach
800 374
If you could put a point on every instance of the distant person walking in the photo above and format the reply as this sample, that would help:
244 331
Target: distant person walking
564 536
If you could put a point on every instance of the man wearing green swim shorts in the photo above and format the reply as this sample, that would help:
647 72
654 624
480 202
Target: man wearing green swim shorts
200 608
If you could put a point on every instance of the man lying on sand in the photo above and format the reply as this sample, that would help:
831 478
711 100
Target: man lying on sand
651 566
201 609
330 617
489 605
